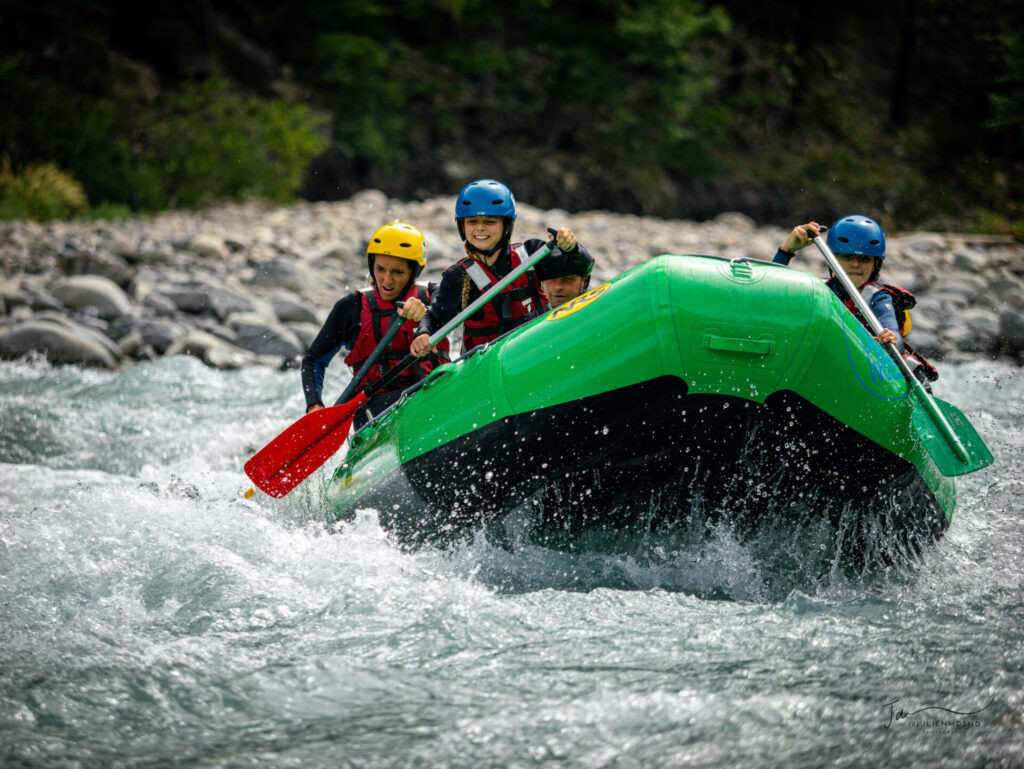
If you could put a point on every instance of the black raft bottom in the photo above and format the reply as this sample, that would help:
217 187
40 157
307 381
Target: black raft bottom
651 457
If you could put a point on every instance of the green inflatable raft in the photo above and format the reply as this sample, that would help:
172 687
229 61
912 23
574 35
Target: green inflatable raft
688 386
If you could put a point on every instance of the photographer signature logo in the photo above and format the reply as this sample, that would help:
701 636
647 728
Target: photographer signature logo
963 720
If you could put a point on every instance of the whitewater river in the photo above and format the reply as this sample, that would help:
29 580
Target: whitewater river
151 616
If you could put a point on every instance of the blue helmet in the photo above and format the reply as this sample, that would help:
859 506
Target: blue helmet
485 197
856 234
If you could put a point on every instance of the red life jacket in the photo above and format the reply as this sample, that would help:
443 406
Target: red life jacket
902 300
374 318
520 301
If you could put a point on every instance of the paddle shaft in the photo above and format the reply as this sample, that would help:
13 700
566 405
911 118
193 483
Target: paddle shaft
451 325
269 478
357 378
304 446
876 327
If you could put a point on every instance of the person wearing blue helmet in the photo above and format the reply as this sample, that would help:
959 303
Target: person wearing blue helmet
485 214
858 243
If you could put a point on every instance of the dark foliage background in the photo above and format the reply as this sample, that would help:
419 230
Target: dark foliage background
910 110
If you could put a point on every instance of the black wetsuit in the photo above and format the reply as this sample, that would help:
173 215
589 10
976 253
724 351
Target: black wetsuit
341 330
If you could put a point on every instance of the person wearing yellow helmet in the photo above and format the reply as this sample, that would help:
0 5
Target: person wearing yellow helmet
395 257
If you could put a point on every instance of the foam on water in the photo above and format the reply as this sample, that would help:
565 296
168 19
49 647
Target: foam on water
150 615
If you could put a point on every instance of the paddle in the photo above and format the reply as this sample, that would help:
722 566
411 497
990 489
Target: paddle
947 435
256 466
310 441
357 379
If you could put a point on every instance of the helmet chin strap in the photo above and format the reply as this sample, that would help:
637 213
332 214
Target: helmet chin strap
487 252
503 241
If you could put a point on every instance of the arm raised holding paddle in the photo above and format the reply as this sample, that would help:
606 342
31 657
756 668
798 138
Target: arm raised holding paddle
859 247
948 437
854 252
485 214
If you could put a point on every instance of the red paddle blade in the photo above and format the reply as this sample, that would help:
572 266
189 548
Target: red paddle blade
301 448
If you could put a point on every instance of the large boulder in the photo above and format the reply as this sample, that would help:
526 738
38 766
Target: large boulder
212 350
1011 331
200 300
11 294
158 333
208 246
983 325
370 201
60 341
38 298
290 274
925 246
80 292
930 313
1009 290
961 289
970 260
109 265
306 332
289 310
160 304
268 339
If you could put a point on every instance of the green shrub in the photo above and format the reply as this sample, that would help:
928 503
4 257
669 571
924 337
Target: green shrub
41 191
992 223
215 143
111 212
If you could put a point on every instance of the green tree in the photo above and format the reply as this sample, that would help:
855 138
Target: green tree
213 142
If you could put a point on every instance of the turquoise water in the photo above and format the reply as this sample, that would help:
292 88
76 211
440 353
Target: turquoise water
150 616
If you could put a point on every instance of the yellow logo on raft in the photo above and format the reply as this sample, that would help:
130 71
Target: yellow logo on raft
578 303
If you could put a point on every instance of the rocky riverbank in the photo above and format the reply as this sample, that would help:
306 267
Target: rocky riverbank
250 284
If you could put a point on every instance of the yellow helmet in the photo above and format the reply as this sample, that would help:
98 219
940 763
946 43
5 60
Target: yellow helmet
401 240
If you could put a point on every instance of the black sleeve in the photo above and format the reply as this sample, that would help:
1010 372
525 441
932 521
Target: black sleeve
340 330
445 300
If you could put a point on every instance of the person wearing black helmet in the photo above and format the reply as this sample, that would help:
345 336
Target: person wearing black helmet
565 275
859 247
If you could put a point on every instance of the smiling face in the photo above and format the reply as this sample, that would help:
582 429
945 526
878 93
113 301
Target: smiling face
483 232
391 275
857 267
563 289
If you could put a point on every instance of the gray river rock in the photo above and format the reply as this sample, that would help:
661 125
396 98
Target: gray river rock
249 284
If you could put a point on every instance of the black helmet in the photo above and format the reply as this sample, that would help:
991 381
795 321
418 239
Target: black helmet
559 263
